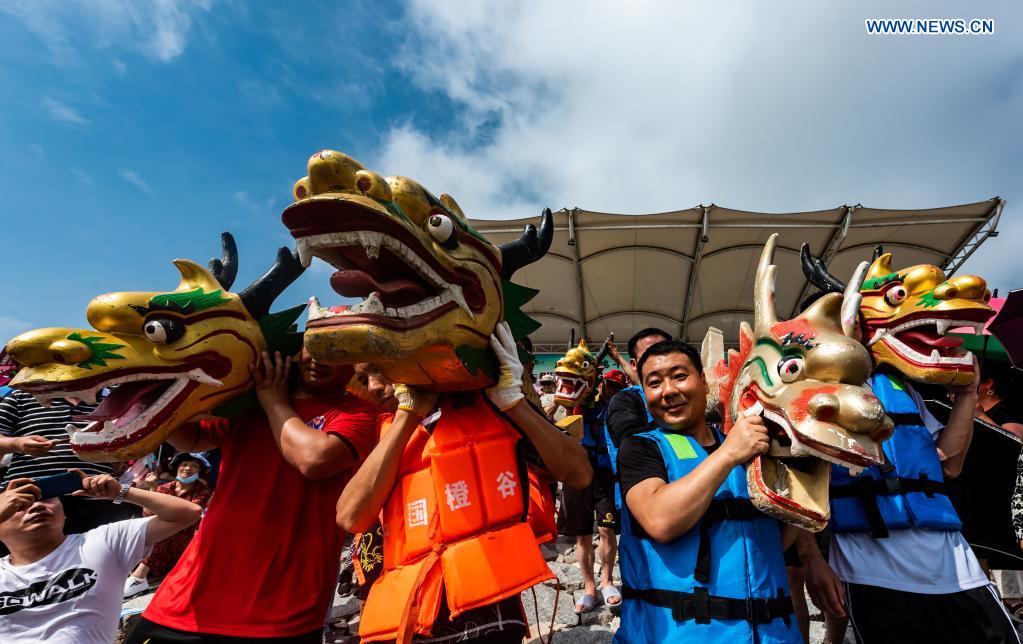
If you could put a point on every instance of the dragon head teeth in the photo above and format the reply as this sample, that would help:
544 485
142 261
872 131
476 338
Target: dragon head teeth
305 252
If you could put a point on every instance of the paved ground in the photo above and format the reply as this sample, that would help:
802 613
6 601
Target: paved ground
551 609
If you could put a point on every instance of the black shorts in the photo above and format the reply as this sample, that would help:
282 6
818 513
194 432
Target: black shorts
881 615
147 632
596 501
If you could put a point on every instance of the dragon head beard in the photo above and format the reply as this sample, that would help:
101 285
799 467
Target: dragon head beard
168 357
805 377
576 373
905 316
432 288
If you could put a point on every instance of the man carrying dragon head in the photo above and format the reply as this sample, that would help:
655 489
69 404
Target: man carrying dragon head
452 474
287 444
701 553
899 566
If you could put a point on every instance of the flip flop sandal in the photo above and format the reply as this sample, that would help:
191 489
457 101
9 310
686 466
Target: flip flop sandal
609 593
588 602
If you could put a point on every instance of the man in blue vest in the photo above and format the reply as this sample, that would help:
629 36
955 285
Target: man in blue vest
698 560
899 567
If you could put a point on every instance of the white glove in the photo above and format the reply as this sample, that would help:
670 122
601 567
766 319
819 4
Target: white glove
508 390
416 402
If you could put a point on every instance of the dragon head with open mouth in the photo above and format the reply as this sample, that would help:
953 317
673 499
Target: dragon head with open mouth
576 372
432 288
805 377
906 316
167 357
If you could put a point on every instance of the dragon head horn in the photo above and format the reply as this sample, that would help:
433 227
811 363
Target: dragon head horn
817 273
764 316
260 295
225 269
529 247
851 300
878 251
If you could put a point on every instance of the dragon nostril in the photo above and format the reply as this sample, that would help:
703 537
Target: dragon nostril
69 352
824 407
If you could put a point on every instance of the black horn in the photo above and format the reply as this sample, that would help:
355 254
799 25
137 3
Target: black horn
259 296
225 269
818 274
878 251
529 247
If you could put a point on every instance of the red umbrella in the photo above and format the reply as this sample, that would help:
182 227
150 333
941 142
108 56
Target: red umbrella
984 345
1007 326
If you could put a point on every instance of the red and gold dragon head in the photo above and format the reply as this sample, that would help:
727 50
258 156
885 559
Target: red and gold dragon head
805 377
168 357
432 288
905 316
576 372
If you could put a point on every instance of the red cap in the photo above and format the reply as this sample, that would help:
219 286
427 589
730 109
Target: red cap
618 377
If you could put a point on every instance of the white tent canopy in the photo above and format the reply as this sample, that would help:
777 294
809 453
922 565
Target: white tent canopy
687 270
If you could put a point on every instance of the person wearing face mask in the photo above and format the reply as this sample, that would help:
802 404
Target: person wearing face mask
699 562
189 486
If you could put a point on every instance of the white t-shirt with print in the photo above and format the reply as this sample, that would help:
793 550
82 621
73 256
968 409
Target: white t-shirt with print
72 595
933 562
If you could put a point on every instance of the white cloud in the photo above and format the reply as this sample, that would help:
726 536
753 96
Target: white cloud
59 111
133 178
156 28
646 107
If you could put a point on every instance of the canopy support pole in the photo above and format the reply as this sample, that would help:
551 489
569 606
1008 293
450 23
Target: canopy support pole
694 271
580 296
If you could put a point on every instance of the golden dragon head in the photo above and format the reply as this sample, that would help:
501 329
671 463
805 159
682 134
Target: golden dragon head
577 376
432 288
805 377
906 314
167 357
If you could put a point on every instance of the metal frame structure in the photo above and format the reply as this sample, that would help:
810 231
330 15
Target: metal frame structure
970 243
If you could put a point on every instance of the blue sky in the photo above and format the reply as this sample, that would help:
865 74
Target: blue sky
133 133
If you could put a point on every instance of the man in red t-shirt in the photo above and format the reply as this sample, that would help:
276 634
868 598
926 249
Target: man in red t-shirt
263 564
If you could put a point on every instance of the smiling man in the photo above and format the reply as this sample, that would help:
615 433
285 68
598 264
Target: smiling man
698 560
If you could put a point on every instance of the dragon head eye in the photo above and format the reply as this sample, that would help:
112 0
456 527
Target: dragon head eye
163 330
790 368
896 295
586 364
442 229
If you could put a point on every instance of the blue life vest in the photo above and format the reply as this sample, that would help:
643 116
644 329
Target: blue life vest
612 449
910 491
665 599
594 434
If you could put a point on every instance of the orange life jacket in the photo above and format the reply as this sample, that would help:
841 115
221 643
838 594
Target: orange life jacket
457 520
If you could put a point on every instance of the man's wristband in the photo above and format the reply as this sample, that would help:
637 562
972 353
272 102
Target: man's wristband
119 499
